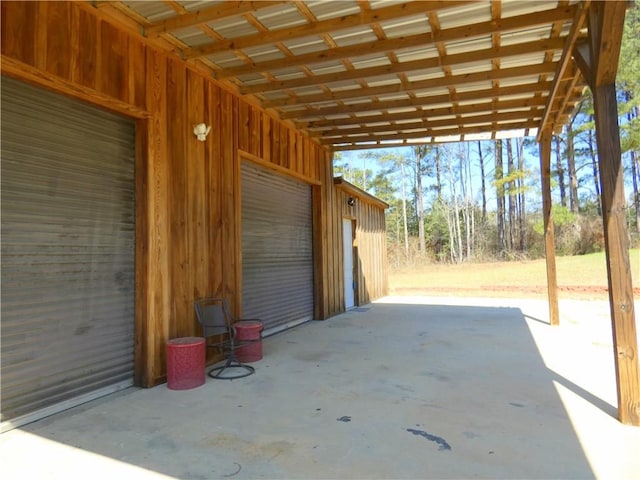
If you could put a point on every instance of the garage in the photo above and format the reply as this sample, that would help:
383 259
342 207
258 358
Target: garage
277 248
68 251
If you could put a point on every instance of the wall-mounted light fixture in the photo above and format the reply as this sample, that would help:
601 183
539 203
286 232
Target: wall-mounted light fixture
351 201
201 131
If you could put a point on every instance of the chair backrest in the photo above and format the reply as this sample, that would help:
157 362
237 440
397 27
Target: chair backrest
213 315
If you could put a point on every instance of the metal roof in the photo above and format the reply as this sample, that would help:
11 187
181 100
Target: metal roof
363 74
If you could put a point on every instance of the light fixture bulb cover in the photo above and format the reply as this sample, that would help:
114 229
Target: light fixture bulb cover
201 131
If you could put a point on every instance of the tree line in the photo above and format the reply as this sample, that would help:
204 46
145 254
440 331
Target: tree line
482 200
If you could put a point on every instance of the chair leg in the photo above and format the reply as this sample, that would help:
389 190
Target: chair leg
240 370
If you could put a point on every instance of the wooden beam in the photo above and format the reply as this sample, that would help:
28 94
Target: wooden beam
28 73
570 93
582 58
617 254
454 80
483 94
606 21
405 67
570 41
325 26
383 46
549 234
445 132
329 125
217 12
489 118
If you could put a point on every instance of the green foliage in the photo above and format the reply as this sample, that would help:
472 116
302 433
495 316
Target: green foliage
436 231
628 81
561 216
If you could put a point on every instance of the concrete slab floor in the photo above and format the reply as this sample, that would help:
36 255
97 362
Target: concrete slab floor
402 388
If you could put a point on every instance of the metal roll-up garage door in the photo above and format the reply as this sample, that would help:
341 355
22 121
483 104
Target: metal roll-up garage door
277 249
68 241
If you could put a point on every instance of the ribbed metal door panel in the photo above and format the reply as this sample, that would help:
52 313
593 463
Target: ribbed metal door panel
67 249
277 249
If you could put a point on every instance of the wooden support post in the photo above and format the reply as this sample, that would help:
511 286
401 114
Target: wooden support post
617 249
598 58
549 234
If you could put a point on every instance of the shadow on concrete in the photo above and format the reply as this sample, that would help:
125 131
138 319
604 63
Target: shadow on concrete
386 391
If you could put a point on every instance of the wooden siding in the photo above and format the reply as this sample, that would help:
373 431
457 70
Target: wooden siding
188 230
370 247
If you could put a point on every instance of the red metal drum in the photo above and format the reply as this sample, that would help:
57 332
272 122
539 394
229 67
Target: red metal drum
185 362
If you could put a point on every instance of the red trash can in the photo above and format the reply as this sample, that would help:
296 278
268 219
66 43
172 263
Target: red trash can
185 362
249 330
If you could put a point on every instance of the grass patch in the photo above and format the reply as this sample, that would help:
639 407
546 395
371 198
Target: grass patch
578 276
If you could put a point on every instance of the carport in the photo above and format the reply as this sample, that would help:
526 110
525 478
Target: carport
284 84
407 387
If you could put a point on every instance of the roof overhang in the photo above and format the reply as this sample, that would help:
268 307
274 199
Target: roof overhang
382 73
351 189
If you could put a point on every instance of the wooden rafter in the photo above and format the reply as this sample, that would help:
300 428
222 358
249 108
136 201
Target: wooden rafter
405 67
411 41
432 132
426 123
426 113
473 95
461 79
564 60
427 137
217 12
317 28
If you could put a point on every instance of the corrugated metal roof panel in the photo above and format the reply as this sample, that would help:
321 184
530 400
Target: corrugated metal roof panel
404 27
431 92
152 11
371 61
459 16
326 68
235 27
522 80
416 53
468 68
393 96
522 60
289 74
527 35
306 45
323 10
354 36
312 90
282 16
195 5
420 75
512 8
193 36
253 79
470 87
263 53
226 60
382 81
468 45
346 85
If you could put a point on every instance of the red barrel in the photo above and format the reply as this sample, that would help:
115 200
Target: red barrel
249 330
185 362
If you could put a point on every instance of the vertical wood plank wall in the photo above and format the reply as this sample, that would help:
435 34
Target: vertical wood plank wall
370 252
188 242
